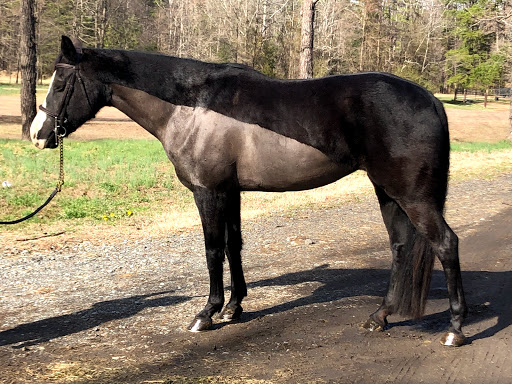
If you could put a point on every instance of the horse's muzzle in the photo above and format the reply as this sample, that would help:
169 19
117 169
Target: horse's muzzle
49 142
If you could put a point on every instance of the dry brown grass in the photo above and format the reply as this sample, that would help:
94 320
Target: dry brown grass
81 372
480 165
209 380
72 372
489 125
7 78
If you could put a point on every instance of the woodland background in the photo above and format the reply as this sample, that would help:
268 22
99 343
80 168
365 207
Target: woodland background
441 44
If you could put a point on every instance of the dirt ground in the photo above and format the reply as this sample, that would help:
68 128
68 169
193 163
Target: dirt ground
88 311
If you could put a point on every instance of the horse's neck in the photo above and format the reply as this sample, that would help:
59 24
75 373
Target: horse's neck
146 110
175 80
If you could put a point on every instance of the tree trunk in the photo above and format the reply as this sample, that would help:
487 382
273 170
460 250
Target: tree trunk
510 118
101 19
28 66
510 112
363 39
307 37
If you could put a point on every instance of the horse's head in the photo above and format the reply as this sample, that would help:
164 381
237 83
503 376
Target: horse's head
74 96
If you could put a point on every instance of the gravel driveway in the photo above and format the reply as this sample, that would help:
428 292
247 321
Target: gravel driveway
116 312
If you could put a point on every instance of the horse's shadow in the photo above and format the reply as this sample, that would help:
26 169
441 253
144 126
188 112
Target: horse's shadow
484 293
41 331
335 284
488 296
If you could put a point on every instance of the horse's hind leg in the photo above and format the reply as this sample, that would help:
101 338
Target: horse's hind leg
212 210
401 235
233 309
418 232
430 223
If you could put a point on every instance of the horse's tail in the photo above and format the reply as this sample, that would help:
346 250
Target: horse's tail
415 264
412 276
443 153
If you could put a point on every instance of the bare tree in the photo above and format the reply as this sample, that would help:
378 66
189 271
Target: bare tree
28 65
510 120
407 38
307 39
100 23
510 111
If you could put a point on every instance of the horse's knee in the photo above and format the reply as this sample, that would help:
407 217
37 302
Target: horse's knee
214 259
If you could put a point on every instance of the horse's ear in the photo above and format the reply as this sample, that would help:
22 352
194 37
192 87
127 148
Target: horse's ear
68 49
78 45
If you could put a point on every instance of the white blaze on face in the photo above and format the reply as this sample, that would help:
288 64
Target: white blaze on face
39 120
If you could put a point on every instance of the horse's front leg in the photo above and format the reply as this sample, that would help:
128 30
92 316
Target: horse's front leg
212 210
233 309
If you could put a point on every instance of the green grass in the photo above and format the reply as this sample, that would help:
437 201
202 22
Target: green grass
14 89
481 147
105 180
471 103
9 89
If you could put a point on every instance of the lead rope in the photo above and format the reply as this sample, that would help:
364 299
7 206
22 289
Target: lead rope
60 183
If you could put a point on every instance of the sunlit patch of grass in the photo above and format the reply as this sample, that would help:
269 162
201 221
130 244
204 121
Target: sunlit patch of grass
483 164
13 89
474 103
480 160
69 372
481 147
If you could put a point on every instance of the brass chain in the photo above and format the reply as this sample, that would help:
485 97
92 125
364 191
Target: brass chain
60 183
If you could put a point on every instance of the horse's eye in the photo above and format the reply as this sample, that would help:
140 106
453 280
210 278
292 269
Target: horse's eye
59 87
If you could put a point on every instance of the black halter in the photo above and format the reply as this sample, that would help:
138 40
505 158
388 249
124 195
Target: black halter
58 116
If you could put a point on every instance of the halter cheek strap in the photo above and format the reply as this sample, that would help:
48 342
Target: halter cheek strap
58 116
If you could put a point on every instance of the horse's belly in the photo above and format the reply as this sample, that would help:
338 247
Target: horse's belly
268 161
209 149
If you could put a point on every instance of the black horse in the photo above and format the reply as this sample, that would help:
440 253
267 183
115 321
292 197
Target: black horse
228 128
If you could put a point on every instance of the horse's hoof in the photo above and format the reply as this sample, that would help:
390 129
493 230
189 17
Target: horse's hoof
230 314
372 325
200 324
453 339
